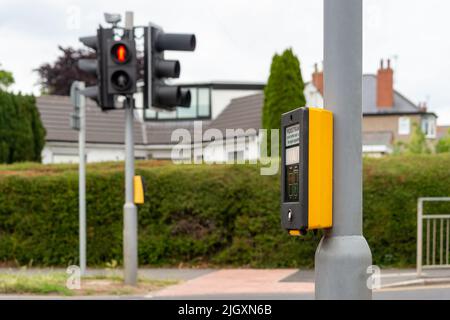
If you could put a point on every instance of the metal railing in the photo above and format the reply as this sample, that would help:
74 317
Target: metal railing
437 228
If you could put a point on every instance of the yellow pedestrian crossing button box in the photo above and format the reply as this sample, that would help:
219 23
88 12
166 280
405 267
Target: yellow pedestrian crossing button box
138 190
307 170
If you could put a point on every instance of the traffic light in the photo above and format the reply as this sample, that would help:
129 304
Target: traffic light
98 68
307 170
121 66
156 69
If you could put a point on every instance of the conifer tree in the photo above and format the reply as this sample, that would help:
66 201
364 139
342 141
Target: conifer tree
283 92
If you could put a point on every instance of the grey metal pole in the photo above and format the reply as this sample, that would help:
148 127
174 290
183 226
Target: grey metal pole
419 237
129 209
343 255
130 245
82 176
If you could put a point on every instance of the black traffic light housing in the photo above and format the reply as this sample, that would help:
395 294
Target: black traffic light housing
157 93
98 67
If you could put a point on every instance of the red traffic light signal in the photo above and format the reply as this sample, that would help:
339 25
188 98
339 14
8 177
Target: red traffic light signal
120 53
122 67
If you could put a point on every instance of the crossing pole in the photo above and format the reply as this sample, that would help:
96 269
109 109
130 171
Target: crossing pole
130 243
343 255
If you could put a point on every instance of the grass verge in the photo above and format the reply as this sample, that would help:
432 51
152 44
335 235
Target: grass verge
55 284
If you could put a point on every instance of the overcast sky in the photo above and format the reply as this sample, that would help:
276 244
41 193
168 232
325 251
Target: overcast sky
237 38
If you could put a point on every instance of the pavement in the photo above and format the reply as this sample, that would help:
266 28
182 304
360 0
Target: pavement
272 284
241 282
294 284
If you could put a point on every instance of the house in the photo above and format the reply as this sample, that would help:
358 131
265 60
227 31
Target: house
442 131
388 117
208 100
105 130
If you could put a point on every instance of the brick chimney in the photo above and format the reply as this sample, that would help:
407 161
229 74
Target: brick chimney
317 79
385 86
423 107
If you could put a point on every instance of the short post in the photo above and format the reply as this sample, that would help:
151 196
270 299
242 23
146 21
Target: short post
82 176
78 122
419 237
343 255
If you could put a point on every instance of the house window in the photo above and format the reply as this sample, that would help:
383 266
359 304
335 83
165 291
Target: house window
191 112
429 127
404 126
200 107
203 102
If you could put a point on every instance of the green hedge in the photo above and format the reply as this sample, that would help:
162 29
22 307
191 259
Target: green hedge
201 215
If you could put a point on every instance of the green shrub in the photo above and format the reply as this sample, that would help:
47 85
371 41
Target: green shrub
22 135
201 214
443 145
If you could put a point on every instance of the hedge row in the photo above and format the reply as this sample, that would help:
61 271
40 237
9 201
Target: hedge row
202 214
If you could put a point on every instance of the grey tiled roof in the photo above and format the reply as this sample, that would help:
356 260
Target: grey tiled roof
101 127
369 97
242 113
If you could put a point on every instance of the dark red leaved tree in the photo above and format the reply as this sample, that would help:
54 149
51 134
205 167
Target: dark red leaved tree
57 77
